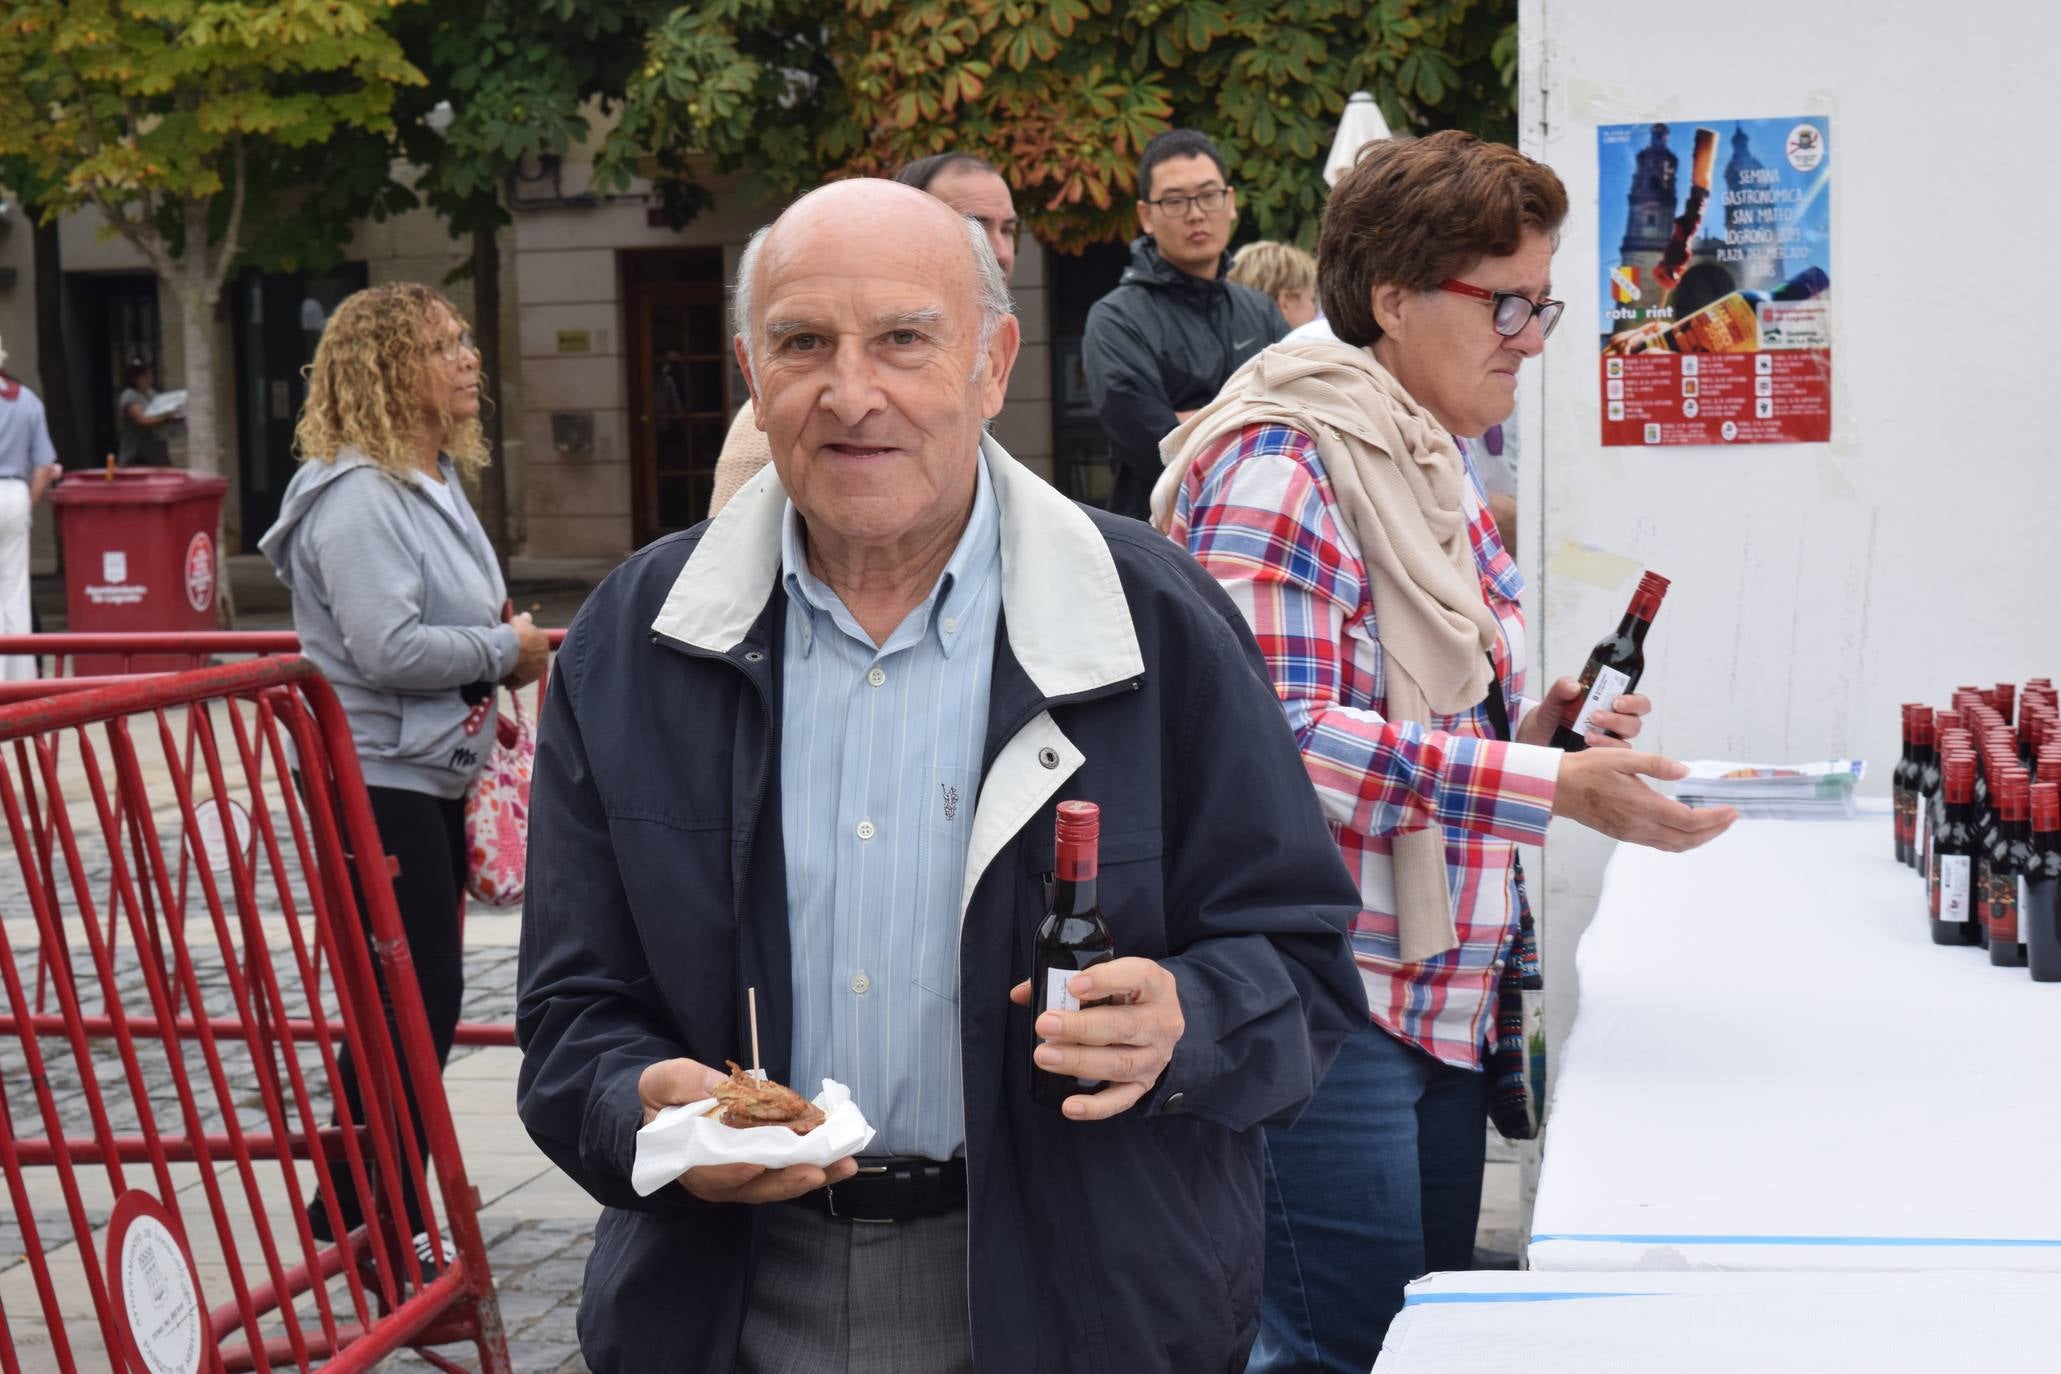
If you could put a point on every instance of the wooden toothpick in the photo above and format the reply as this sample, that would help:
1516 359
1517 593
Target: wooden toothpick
751 996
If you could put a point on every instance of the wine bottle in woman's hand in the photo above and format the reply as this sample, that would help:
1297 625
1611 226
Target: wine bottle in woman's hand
1615 664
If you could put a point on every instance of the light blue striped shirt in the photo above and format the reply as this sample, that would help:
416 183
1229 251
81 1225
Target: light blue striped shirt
880 752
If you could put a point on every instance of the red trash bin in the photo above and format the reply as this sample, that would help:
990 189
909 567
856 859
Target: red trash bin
139 554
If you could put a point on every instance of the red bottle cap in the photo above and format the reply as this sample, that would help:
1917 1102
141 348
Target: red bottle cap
2004 696
1946 720
1078 855
2046 806
1960 779
2016 802
1079 822
1646 600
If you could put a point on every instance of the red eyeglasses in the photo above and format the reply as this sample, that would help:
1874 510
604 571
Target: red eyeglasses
1513 312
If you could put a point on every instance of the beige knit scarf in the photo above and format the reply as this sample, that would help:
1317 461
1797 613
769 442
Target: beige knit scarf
1400 484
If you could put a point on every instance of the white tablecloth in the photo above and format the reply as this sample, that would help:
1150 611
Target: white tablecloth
1998 1323
1772 1067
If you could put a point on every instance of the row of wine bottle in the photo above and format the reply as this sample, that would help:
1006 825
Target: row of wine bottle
1978 814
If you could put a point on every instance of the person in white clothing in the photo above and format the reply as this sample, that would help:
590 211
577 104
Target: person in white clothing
28 467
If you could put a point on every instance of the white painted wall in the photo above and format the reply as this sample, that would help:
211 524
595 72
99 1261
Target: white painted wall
1815 586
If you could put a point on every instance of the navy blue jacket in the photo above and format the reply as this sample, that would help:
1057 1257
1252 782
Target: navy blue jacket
657 894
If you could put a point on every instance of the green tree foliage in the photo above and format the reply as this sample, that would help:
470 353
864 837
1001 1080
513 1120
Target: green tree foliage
521 78
1062 94
186 123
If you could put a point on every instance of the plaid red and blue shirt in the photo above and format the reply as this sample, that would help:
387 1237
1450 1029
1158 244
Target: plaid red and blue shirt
1257 511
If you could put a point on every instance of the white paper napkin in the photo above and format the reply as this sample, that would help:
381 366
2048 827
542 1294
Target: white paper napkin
689 1136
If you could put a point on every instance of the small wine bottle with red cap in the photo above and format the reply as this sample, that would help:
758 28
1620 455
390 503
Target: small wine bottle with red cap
1072 937
2010 852
1925 791
1615 664
1953 858
1903 820
2039 891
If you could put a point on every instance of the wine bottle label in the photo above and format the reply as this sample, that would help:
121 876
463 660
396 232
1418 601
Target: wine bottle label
1057 996
1609 685
2004 911
1953 887
2021 912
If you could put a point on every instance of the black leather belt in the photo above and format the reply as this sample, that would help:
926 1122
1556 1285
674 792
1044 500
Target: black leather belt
892 1189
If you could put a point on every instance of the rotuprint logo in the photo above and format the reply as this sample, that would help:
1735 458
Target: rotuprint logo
200 571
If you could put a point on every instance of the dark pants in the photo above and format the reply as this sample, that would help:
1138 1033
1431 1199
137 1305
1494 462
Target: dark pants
1377 1184
426 837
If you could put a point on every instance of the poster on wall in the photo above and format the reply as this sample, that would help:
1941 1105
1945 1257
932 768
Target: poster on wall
1716 272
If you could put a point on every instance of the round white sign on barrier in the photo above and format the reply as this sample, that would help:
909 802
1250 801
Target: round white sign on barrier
208 827
157 1300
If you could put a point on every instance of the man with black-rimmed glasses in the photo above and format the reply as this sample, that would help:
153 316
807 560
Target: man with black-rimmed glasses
1159 346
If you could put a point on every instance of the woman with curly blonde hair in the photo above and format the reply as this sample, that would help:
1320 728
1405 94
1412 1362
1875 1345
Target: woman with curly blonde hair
398 599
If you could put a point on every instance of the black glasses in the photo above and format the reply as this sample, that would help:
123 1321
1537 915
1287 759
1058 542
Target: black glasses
1512 311
1209 202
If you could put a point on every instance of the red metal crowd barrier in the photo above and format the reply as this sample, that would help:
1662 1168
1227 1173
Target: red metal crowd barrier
187 1075
64 650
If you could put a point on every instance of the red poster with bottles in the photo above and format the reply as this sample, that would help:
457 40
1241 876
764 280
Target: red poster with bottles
1716 280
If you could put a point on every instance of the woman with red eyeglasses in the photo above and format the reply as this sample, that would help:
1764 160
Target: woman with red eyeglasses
1325 491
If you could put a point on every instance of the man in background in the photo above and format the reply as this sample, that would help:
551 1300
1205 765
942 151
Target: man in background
28 466
1159 346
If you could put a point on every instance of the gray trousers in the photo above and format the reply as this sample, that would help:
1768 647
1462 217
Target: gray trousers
846 1297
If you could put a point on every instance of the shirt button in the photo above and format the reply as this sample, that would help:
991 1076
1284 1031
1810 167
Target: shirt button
951 624
860 982
877 677
864 830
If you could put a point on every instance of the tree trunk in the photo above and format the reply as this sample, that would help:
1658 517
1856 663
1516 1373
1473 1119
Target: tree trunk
197 340
203 446
486 328
53 367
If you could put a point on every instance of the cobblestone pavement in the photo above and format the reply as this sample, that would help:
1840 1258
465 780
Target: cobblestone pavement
538 1227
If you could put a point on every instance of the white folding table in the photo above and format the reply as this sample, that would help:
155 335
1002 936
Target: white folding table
1773 1068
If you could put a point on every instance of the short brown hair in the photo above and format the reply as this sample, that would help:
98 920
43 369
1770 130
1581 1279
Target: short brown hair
925 170
1274 269
1412 212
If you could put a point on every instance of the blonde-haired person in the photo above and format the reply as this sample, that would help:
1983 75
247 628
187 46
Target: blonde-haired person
398 599
1280 271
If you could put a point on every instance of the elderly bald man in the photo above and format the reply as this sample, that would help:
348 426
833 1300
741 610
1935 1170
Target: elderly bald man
813 747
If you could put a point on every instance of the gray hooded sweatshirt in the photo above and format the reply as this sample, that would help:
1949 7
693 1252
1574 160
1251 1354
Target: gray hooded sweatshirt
399 605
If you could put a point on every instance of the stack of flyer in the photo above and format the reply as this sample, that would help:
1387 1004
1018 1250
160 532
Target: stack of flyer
1777 791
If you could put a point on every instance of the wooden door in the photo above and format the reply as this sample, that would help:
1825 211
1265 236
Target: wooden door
680 408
